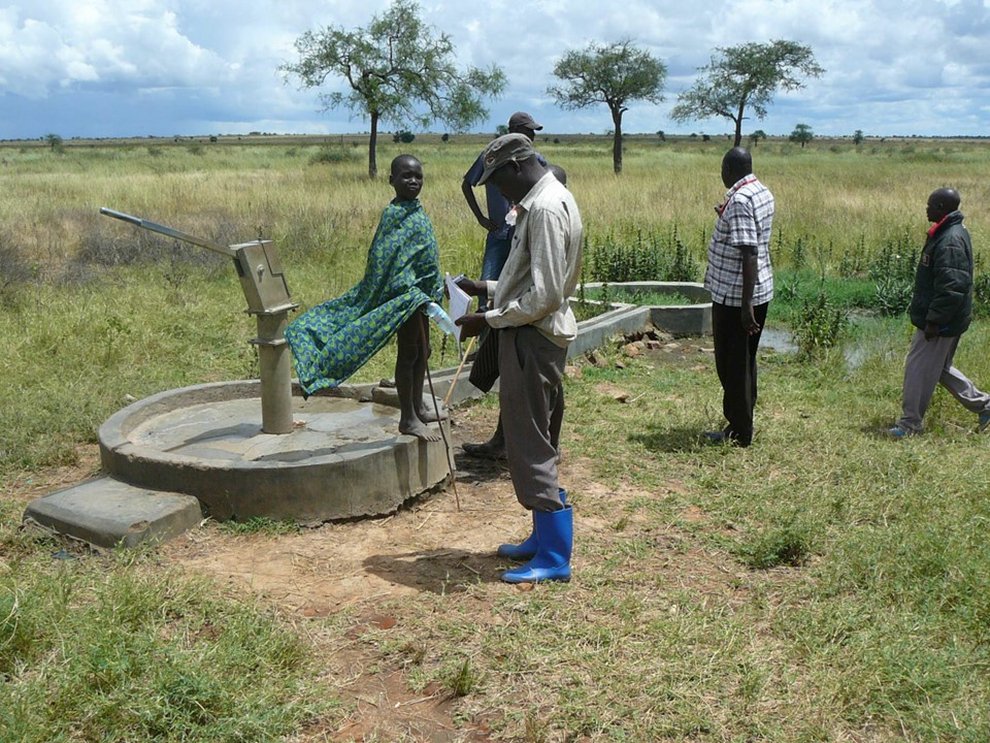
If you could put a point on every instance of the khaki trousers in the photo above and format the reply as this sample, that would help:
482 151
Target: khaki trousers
929 363
531 399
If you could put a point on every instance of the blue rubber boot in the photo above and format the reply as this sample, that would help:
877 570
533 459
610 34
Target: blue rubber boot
555 539
526 549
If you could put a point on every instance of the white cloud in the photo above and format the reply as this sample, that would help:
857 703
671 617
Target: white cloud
56 44
895 66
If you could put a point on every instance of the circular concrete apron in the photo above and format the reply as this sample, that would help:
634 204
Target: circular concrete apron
343 459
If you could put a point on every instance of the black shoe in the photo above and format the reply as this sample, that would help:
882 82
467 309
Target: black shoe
487 450
723 437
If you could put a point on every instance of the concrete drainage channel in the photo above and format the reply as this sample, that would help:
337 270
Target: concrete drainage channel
173 458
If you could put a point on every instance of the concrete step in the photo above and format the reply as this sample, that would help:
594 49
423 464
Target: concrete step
106 513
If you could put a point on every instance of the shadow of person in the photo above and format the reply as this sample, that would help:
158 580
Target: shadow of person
479 469
878 427
439 571
669 440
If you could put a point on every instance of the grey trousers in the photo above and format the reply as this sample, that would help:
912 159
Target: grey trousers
928 364
531 398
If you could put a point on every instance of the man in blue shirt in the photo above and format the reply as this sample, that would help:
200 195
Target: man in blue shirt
499 233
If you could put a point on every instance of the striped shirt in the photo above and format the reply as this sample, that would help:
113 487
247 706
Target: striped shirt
543 267
745 220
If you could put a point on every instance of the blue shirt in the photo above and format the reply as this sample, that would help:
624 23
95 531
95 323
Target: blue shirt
498 205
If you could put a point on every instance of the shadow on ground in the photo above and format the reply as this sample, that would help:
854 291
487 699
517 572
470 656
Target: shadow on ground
669 440
439 571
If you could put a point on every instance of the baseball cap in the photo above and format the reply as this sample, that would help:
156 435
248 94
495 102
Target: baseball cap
521 118
507 148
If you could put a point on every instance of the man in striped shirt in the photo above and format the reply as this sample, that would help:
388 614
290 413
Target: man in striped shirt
740 279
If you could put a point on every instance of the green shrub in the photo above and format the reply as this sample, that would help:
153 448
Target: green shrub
893 295
798 259
331 155
651 257
981 295
819 325
852 262
895 260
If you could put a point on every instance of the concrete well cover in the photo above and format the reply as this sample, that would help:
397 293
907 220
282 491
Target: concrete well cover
344 458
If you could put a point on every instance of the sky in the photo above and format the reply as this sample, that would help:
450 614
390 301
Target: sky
122 68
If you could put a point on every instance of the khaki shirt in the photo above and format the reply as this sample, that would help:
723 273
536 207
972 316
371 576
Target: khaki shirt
544 265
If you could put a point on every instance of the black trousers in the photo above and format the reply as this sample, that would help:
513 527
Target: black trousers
735 362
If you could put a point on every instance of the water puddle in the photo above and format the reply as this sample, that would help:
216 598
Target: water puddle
870 338
779 340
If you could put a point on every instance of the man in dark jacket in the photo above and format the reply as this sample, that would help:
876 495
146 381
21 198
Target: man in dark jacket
941 309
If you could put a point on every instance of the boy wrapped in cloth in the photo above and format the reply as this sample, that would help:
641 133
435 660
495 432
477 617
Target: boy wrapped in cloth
336 338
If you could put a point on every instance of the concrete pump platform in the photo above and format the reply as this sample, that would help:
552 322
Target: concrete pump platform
343 459
181 455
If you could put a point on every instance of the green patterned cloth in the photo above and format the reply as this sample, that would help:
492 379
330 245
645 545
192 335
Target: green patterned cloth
333 340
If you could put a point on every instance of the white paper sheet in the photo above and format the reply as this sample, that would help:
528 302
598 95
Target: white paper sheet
460 303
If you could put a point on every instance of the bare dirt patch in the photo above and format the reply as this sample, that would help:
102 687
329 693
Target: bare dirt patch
27 486
428 545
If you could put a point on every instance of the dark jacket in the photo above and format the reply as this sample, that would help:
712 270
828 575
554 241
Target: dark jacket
943 283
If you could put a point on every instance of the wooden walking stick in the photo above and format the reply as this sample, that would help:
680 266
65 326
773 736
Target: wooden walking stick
460 368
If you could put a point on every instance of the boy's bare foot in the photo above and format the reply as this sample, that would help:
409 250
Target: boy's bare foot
419 430
428 415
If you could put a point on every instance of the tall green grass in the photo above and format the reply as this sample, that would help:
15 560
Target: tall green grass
114 648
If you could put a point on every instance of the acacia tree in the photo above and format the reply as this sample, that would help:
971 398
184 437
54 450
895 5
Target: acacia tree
745 76
613 74
802 134
55 142
397 69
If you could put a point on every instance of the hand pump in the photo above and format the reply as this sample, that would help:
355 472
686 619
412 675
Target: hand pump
268 298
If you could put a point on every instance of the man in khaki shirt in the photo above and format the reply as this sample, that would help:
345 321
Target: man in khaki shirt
531 309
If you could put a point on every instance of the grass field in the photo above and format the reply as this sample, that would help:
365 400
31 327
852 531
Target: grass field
855 607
